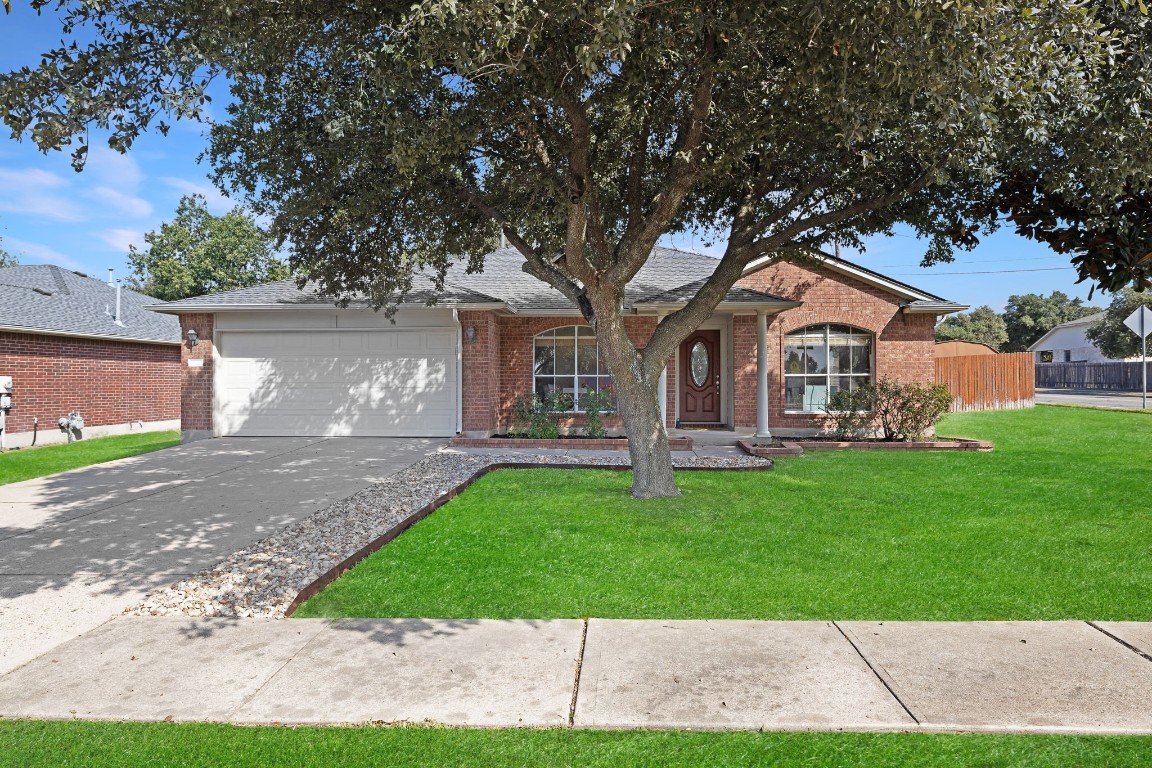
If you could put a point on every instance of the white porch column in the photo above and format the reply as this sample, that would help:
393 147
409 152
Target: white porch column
762 432
662 390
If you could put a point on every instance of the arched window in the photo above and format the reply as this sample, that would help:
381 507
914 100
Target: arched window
567 359
820 360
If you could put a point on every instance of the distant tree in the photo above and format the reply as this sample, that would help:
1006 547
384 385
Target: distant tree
197 253
7 259
983 325
1031 315
1110 335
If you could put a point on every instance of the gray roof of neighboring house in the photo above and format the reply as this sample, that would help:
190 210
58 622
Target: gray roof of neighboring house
669 276
44 298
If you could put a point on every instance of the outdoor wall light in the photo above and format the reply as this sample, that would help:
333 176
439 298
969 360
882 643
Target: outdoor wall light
470 334
193 337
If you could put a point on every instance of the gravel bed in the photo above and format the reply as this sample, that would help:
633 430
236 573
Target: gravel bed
263 579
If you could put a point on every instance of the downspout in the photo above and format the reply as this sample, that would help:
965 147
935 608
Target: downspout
459 371
117 317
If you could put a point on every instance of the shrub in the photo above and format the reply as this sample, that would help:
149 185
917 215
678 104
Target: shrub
900 411
597 402
907 411
537 417
851 413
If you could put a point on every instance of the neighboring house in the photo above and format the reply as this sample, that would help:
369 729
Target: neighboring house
65 351
1067 343
959 348
275 360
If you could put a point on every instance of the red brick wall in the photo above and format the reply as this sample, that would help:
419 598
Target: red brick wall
196 403
904 343
480 372
109 382
491 385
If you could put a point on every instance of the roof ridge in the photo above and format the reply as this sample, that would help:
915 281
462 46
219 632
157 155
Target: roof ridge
58 278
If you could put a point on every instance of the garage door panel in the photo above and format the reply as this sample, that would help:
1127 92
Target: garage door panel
332 383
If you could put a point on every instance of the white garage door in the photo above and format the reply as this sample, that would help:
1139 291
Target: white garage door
373 383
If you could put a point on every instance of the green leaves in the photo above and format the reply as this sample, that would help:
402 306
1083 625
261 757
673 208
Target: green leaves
198 253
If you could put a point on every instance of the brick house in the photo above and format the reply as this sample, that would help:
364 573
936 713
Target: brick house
65 349
276 360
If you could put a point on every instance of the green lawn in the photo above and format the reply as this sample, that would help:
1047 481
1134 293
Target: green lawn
28 463
100 745
1055 524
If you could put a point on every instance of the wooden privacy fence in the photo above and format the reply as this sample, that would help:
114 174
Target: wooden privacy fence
988 382
1115 375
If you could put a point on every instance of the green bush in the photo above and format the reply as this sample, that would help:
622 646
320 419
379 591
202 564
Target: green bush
900 411
850 413
595 403
907 411
538 417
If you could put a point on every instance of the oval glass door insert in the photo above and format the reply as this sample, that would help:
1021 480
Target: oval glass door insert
699 364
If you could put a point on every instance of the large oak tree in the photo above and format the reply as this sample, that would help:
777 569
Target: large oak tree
386 137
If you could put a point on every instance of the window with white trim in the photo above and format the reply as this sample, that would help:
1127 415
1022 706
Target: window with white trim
568 359
820 360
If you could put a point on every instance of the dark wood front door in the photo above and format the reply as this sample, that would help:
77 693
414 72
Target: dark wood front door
700 378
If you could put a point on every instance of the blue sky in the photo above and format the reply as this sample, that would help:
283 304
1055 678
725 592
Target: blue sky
51 214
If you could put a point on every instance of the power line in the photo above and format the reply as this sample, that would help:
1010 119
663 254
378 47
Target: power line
984 272
976 261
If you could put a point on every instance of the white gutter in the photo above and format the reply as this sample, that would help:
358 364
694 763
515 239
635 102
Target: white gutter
212 308
73 335
939 308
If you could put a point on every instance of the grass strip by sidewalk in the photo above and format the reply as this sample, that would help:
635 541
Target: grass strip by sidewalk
29 463
38 744
1054 524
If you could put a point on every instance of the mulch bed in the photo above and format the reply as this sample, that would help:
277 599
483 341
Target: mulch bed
786 447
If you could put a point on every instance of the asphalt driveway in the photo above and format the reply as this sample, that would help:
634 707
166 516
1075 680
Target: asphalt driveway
79 547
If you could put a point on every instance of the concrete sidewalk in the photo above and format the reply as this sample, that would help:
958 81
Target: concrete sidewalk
1039 677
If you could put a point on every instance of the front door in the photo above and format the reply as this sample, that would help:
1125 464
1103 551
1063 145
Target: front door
700 378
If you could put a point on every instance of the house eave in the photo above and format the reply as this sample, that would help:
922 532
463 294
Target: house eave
76 335
733 307
934 309
213 308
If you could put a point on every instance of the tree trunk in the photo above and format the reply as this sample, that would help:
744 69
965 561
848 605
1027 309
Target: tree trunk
639 408
647 441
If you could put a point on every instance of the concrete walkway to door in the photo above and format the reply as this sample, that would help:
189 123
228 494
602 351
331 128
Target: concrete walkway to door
78 547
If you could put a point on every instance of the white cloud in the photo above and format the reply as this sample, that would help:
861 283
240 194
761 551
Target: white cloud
129 205
34 253
31 192
217 202
120 239
26 178
109 168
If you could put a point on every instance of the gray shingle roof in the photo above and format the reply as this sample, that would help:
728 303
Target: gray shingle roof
285 293
736 294
669 276
47 298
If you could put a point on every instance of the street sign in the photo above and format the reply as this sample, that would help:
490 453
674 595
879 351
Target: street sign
1140 321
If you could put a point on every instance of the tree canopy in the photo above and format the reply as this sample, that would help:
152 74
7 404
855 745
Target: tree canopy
198 253
1110 335
1029 316
7 259
983 325
388 137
